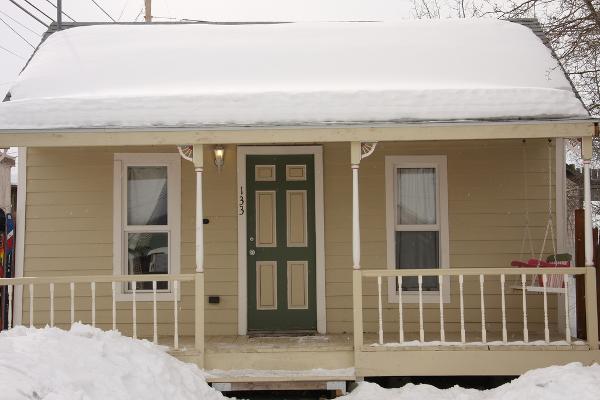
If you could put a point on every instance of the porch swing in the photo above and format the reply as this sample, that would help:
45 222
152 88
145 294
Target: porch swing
554 283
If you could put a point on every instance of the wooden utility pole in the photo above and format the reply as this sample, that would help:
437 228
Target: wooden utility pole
148 11
59 14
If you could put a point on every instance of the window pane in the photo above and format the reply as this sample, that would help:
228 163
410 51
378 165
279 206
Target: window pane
416 196
148 253
147 195
416 250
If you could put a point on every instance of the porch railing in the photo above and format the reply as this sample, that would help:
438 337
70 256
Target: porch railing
503 279
108 285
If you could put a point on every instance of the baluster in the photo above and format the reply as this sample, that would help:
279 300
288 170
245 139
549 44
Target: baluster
400 310
134 310
504 332
175 317
154 325
546 330
421 330
52 304
380 310
93 287
114 305
10 306
483 330
442 331
72 289
525 330
463 335
31 305
567 321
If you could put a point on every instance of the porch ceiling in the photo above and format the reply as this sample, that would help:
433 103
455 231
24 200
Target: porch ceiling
459 130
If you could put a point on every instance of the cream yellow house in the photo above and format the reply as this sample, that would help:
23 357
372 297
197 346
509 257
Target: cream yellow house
290 197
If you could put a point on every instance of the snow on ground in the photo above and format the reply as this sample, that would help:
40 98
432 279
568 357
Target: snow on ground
569 382
288 74
86 363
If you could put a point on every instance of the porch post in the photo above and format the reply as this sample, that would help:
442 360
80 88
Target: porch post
355 156
198 160
586 155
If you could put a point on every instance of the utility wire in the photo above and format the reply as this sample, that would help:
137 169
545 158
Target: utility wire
123 10
12 52
16 33
61 11
102 9
18 23
26 11
38 10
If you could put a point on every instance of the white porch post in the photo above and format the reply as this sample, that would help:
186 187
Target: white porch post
586 155
198 160
355 156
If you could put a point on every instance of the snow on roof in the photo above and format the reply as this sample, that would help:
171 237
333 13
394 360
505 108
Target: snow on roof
288 74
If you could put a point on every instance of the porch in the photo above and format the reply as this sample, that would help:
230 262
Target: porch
487 340
472 318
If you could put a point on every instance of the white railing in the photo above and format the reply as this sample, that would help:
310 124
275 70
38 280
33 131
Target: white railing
91 282
511 280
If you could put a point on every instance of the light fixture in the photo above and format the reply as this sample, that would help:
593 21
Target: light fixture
219 156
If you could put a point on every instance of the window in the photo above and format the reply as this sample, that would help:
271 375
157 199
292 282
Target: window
147 219
417 221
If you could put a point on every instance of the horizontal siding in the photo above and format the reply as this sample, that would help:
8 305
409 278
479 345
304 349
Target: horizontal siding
69 231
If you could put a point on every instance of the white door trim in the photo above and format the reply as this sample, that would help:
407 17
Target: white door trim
317 152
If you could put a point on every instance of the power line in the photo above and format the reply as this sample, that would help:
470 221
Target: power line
62 12
26 11
16 33
18 23
12 52
38 10
103 10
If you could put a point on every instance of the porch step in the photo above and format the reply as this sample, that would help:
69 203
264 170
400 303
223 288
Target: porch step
247 380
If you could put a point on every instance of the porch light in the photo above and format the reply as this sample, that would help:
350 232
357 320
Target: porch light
219 154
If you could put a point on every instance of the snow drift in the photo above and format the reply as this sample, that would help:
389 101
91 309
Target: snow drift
288 74
86 363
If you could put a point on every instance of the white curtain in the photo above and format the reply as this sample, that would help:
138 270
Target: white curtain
147 196
416 196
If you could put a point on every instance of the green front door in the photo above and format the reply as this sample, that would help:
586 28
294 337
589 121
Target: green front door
281 243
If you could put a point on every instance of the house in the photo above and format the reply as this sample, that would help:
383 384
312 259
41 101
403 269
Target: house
343 196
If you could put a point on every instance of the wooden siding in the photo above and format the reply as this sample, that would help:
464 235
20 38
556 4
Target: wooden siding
69 231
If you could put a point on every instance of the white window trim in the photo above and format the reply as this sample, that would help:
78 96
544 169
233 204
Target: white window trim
173 163
440 163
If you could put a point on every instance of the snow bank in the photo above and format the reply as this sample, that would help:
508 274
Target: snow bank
288 74
88 364
569 382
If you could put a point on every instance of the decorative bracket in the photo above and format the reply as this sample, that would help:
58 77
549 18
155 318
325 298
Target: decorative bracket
186 152
366 149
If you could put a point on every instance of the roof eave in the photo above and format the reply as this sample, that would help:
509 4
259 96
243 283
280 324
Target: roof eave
308 133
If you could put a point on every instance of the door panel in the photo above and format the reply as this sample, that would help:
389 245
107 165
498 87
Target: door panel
266 218
297 285
296 218
281 242
266 285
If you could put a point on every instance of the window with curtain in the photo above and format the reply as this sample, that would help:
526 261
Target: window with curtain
417 232
147 222
147 228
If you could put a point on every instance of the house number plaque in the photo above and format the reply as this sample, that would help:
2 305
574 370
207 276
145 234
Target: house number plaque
242 202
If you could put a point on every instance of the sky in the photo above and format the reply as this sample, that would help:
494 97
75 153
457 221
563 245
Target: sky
20 33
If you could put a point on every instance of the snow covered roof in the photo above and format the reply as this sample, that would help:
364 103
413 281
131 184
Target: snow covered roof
201 75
